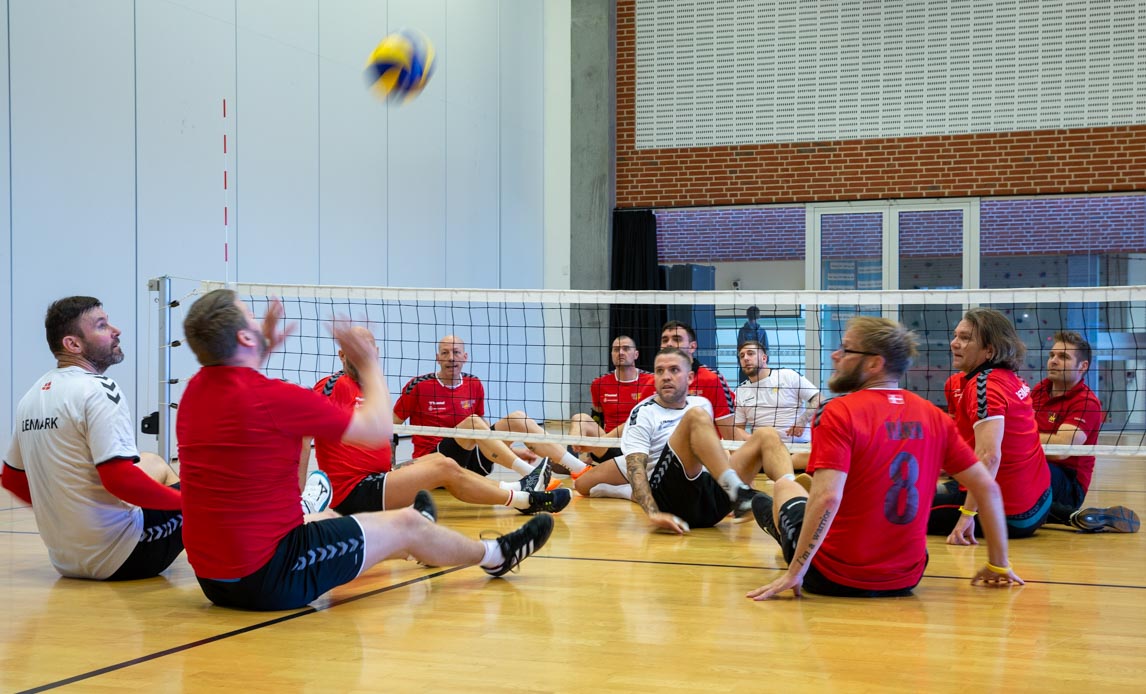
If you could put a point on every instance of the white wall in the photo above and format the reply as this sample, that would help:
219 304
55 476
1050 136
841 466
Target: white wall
117 157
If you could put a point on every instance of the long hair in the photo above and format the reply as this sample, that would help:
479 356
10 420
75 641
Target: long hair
995 331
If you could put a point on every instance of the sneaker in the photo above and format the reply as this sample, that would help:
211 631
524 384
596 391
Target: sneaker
551 502
743 504
317 492
577 475
762 512
424 504
521 543
1118 519
538 479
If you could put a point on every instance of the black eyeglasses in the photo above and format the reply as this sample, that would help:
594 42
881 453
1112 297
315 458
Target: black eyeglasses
845 350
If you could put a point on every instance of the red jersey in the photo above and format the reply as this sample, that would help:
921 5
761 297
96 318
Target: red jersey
996 393
344 464
615 398
240 434
706 383
426 402
892 445
1078 407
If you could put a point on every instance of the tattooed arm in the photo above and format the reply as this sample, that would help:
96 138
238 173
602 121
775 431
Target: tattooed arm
643 495
823 502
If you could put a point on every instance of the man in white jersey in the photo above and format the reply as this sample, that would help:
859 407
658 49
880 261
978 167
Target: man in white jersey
779 398
104 511
678 471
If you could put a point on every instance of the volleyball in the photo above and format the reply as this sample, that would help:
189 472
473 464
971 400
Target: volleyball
400 66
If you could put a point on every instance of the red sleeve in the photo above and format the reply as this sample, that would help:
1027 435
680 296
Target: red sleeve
723 401
595 393
300 412
1084 413
16 481
831 439
993 403
404 408
121 477
959 455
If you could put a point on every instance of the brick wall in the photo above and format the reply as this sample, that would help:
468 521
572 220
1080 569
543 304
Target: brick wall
1083 160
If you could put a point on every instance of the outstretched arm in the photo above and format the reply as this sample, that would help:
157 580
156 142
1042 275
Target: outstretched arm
643 495
823 503
989 451
981 483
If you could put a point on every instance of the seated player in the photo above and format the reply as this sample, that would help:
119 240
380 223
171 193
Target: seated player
1068 413
104 510
993 413
614 395
876 453
674 463
452 398
239 435
705 382
778 398
362 480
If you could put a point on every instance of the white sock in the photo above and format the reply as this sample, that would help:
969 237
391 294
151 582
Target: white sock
493 557
518 499
521 467
788 476
731 483
612 491
572 462
510 486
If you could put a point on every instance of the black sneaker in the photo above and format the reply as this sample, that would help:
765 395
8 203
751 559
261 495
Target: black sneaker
743 504
1119 519
762 512
521 543
551 502
538 479
424 504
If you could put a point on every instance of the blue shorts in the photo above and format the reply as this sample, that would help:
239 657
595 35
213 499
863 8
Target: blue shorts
310 560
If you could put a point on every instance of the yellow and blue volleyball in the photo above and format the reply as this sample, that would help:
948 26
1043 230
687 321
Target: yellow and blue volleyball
400 66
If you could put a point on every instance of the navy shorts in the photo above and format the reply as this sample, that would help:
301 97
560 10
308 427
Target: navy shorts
159 543
945 513
609 455
791 517
312 559
471 460
700 502
1065 488
367 496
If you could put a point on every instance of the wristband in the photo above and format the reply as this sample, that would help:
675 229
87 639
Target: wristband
1001 570
968 512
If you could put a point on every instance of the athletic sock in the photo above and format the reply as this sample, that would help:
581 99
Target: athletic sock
521 467
612 491
510 486
731 483
572 462
493 557
518 499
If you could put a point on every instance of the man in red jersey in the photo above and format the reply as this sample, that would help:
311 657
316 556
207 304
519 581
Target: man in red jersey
363 481
876 456
614 395
993 413
454 399
239 435
705 382
1068 413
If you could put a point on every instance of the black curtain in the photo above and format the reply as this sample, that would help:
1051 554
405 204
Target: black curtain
634 267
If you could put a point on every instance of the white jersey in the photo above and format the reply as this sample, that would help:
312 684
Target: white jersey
778 400
650 425
69 422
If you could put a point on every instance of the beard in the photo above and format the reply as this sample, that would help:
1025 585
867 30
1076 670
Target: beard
750 370
846 381
103 358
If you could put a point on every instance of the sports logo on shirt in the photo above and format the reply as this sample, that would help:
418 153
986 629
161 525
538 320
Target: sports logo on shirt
895 399
1052 417
46 386
467 404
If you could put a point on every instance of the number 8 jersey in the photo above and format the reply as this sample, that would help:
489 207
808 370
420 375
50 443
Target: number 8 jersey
892 444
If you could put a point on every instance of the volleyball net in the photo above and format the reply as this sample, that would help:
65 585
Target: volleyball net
538 351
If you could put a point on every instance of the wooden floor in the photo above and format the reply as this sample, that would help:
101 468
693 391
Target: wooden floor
605 607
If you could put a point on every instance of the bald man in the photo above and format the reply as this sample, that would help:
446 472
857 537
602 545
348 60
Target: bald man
451 397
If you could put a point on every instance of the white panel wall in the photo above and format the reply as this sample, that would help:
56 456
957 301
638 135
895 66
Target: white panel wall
118 177
73 172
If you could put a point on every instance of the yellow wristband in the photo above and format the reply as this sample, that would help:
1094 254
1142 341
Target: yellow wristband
968 512
1001 570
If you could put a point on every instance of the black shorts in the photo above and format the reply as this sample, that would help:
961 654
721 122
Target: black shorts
367 496
791 517
159 543
700 502
1065 488
609 455
471 460
312 559
945 513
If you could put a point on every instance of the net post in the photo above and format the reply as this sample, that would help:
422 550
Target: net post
162 286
